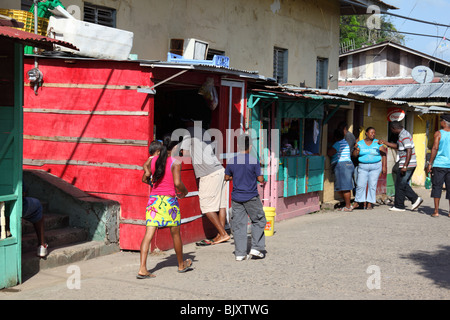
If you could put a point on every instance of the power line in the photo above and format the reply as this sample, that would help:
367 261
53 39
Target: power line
417 20
396 15
410 33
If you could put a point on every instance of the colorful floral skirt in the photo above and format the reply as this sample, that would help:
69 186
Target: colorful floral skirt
162 211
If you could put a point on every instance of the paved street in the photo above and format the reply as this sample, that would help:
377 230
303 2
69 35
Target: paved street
368 255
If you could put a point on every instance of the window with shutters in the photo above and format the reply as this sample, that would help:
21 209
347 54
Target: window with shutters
280 65
99 15
322 73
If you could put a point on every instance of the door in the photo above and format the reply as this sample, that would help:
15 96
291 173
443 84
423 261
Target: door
233 105
11 128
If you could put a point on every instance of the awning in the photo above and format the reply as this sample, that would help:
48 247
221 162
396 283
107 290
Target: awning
32 39
431 109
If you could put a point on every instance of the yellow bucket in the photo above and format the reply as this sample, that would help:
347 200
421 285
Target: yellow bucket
270 218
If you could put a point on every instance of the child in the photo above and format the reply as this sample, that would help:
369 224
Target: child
244 170
163 209
154 149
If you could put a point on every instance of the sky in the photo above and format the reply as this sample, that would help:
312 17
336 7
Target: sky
429 10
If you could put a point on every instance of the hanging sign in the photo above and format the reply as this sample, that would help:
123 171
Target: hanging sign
395 114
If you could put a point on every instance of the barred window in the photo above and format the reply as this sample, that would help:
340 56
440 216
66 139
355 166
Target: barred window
99 15
280 65
322 73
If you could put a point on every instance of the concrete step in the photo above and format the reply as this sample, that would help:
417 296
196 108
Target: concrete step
65 255
54 238
51 222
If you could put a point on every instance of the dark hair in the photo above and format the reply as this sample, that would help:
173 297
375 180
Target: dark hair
342 125
244 142
160 165
396 125
370 128
154 146
338 134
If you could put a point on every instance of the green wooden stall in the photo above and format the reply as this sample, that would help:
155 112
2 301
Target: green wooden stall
11 128
302 167
12 43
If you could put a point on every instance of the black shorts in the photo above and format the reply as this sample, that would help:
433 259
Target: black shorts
439 176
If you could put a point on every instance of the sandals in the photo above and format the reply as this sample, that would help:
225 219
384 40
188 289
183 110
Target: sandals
188 266
205 242
145 276
222 240
345 209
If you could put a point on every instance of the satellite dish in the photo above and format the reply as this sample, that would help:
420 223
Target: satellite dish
422 74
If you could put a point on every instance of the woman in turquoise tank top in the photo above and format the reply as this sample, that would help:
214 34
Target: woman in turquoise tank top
439 163
372 161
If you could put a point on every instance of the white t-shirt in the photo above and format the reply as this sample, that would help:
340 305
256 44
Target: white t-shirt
198 143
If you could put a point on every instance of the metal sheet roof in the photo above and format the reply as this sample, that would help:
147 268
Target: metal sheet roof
403 91
432 109
32 39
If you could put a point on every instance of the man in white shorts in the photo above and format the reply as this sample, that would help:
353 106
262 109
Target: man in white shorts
207 168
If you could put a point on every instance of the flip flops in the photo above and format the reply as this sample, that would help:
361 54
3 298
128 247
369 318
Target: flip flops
188 266
205 242
145 276
222 240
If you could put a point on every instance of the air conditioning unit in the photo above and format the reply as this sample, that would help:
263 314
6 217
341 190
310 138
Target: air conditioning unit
189 48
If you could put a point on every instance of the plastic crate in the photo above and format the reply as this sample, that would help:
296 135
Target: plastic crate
44 8
27 18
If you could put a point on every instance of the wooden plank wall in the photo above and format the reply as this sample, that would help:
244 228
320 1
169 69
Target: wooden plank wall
90 126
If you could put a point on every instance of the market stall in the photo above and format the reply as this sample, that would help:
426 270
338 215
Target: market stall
92 120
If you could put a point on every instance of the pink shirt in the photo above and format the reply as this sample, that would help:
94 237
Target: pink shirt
165 186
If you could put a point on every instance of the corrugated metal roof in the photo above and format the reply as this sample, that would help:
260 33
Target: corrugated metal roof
432 109
403 91
32 39
205 67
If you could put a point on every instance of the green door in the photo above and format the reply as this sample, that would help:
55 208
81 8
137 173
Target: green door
11 129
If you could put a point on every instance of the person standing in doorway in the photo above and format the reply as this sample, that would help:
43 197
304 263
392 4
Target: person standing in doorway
210 172
439 163
404 168
343 168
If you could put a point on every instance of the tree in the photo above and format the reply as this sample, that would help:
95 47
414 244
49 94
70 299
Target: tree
354 29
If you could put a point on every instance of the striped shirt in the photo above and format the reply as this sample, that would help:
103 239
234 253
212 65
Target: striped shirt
343 152
404 142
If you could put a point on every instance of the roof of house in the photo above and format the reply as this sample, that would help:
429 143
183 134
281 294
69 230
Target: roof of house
32 39
397 46
405 92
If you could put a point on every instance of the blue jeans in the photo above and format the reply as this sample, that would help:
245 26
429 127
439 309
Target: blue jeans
368 174
402 188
